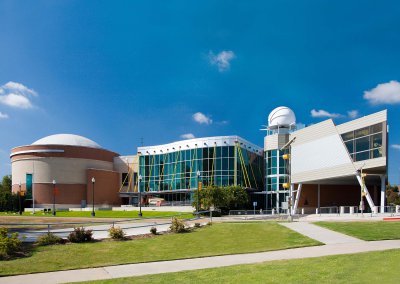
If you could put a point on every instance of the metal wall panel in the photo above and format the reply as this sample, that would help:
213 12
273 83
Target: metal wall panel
319 153
363 122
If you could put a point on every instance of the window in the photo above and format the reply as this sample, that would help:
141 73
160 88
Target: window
376 128
376 141
361 132
350 146
362 156
348 136
364 143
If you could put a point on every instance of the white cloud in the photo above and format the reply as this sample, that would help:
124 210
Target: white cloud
19 88
16 95
385 93
324 113
222 60
14 100
353 113
201 118
187 136
396 146
3 115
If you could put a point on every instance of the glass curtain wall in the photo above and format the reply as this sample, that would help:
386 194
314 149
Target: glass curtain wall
177 170
364 143
276 174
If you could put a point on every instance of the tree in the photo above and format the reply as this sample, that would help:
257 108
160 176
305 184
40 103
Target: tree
6 184
226 198
392 195
8 200
237 197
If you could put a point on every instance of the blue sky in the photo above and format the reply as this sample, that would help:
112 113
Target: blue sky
119 71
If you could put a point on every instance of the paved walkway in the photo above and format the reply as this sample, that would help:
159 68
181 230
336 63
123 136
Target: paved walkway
135 228
320 234
127 270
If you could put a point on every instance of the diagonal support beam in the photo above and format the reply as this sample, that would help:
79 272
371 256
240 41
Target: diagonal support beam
296 201
367 195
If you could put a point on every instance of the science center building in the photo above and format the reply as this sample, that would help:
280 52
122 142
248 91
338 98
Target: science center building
315 167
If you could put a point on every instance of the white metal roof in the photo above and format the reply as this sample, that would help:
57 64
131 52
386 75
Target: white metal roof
68 140
204 142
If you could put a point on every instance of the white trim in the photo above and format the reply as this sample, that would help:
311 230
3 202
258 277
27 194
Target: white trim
200 143
37 151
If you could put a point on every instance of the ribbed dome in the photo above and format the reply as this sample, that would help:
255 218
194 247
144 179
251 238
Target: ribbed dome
281 117
67 139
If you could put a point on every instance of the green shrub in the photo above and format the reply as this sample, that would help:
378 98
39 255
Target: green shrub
197 225
49 239
9 245
178 226
116 233
153 230
80 235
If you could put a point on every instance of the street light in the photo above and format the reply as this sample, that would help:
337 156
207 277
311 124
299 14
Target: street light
19 198
198 193
140 196
93 181
54 197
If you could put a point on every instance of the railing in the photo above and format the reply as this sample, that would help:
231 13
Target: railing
328 210
387 209
261 214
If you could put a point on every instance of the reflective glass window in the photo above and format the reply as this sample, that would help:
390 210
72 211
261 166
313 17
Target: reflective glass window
361 132
362 144
376 140
362 156
376 128
348 136
350 146
377 153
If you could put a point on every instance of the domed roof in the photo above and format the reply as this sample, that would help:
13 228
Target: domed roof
281 116
67 139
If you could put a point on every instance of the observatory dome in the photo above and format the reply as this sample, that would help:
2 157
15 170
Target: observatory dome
281 117
68 140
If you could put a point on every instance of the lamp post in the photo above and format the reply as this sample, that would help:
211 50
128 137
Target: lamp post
54 197
19 198
93 181
198 193
140 196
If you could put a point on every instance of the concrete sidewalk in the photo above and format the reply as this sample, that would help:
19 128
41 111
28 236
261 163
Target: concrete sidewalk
129 270
320 234
135 228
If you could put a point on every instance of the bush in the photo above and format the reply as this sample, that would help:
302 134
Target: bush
80 235
197 225
153 230
9 245
177 226
116 233
49 239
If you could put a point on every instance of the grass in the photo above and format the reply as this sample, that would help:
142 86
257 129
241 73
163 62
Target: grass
368 231
218 239
352 268
101 214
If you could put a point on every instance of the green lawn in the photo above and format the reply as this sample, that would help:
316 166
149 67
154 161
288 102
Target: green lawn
368 231
372 267
102 214
218 239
